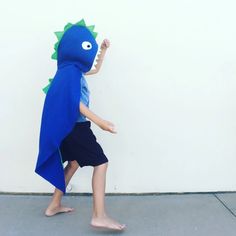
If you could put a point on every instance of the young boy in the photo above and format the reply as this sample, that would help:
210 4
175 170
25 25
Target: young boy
80 148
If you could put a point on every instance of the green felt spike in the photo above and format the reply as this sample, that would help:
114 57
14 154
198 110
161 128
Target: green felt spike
54 55
56 45
59 34
45 89
81 23
91 27
95 34
67 26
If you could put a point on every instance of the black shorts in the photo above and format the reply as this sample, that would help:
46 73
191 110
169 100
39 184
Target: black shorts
81 145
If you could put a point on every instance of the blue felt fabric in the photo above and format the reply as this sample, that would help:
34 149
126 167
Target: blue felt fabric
61 105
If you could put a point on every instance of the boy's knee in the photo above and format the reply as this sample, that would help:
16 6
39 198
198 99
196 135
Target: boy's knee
103 166
73 165
106 164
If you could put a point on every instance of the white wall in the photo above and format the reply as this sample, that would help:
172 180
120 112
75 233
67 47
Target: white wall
168 83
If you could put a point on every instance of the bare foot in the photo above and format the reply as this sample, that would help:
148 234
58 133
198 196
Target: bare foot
53 210
106 222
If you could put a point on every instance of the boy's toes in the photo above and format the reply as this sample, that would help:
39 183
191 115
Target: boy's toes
107 223
66 209
122 226
51 211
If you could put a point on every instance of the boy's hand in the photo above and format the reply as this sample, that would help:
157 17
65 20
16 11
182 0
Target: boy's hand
103 124
105 44
107 126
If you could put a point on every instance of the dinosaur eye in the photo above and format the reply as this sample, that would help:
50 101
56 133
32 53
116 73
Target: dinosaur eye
86 45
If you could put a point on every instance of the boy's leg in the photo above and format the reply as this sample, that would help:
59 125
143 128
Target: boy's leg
100 218
55 205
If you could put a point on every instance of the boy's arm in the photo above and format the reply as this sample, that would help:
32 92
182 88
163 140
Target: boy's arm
103 124
105 44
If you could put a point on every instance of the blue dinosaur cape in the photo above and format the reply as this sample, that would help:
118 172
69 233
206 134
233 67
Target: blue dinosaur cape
75 52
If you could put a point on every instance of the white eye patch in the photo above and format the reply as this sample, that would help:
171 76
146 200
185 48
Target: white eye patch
86 45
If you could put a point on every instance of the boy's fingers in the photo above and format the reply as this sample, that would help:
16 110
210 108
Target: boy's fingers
112 129
106 43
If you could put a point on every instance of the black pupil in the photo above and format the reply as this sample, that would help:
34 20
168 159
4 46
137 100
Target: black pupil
88 46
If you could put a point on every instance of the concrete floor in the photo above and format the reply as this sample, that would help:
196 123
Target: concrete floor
164 215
